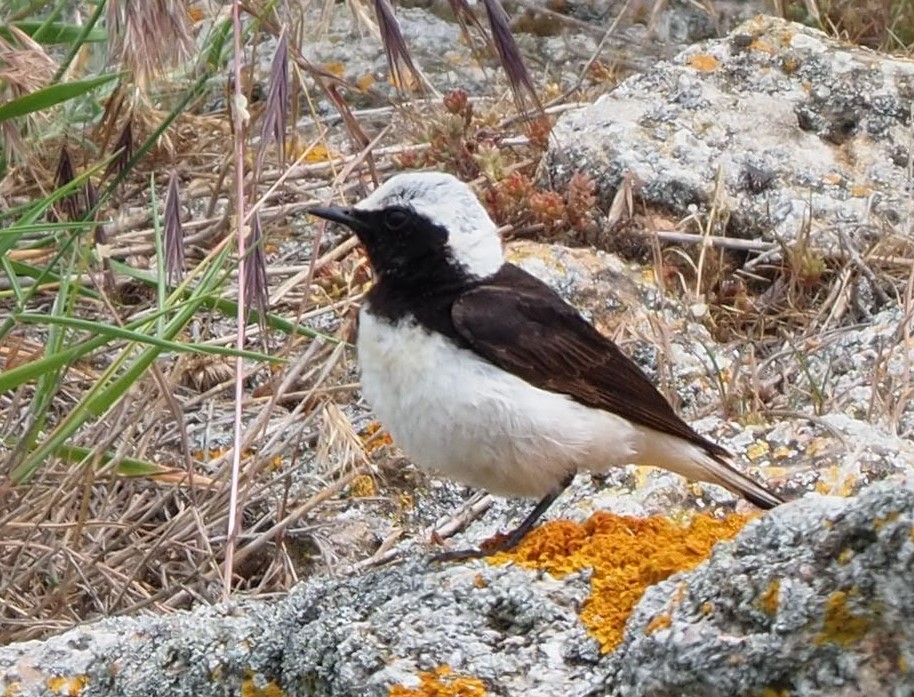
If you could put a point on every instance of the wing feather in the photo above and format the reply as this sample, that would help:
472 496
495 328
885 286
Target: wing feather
520 324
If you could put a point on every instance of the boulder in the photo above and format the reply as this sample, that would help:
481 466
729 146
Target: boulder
813 599
786 132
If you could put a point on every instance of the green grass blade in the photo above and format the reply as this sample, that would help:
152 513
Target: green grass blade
27 372
14 280
126 466
78 42
229 307
118 379
53 94
19 269
30 228
47 383
113 332
216 48
41 31
57 32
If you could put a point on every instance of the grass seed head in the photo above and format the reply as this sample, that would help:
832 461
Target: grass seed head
276 114
256 293
403 71
174 233
148 36
67 208
123 149
509 56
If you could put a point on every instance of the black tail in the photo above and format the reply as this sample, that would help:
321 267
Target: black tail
723 473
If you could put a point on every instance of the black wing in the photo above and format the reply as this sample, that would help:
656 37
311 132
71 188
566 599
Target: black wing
520 324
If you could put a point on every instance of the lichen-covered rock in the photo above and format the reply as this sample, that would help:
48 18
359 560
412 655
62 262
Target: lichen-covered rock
800 130
814 600
361 636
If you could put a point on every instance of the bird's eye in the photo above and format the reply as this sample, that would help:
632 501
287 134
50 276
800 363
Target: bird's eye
395 218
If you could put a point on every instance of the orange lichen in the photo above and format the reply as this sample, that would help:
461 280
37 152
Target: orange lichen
771 598
890 518
786 38
847 486
69 686
373 438
316 153
816 446
762 46
661 621
441 683
250 688
363 486
703 62
626 554
840 625
823 488
790 65
335 68
365 82
757 450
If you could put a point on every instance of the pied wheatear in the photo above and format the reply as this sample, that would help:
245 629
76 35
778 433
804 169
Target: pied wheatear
482 373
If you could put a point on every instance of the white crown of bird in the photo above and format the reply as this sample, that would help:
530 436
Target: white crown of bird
451 205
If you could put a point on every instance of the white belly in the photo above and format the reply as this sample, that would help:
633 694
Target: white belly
452 412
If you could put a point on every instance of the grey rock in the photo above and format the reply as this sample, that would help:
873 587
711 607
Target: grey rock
491 623
813 600
834 454
801 129
875 350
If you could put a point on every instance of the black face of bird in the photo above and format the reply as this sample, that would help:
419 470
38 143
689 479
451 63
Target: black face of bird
422 230
403 246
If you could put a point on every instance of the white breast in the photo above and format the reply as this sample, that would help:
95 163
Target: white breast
451 411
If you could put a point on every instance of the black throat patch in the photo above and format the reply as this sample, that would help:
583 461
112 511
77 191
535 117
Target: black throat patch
414 272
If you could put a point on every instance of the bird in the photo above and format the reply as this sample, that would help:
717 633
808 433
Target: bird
484 374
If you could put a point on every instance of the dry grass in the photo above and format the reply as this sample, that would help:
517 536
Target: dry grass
882 24
80 540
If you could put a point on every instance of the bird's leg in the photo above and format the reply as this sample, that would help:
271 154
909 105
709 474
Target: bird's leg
503 542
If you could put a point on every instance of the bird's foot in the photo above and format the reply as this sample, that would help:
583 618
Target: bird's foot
504 542
500 542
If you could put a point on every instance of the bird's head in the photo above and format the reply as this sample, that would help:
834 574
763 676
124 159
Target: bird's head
421 226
